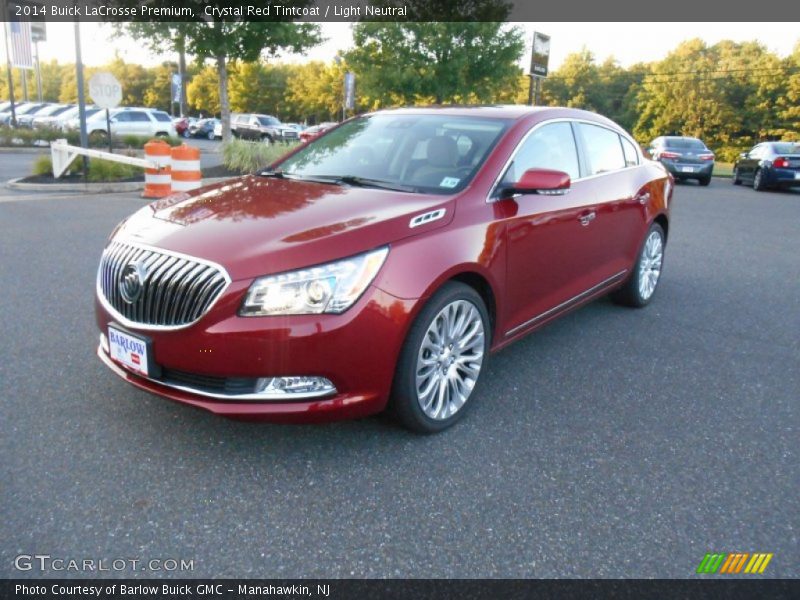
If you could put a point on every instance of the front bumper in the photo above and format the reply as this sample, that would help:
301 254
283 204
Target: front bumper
357 351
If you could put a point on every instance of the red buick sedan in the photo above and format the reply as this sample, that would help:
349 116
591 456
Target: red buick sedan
381 264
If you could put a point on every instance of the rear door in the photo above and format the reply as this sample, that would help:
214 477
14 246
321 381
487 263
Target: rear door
623 194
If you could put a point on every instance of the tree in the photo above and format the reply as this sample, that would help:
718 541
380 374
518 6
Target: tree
159 94
225 41
203 91
259 87
788 104
411 62
314 91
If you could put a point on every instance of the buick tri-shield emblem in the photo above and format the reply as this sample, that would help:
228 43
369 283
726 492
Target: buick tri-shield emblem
131 281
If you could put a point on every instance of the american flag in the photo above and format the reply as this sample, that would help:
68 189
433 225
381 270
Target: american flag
21 54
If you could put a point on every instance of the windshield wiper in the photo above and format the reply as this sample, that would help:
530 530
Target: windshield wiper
277 173
357 181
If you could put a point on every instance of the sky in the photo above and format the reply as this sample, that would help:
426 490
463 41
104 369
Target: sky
629 43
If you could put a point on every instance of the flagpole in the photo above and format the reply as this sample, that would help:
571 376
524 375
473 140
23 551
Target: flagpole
8 65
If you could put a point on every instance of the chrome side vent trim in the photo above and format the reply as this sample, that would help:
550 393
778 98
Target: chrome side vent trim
427 217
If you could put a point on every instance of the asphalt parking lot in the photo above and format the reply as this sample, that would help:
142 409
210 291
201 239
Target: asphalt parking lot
613 443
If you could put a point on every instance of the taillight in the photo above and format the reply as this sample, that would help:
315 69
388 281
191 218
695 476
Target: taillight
669 155
781 162
706 157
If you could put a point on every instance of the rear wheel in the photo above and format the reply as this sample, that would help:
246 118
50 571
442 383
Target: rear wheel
759 183
266 139
441 360
211 135
704 180
641 285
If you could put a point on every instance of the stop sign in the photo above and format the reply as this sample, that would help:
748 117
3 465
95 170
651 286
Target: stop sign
105 90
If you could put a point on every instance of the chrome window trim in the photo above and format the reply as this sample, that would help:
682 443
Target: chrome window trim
144 326
255 397
490 198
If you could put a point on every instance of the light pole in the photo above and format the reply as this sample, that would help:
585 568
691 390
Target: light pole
338 60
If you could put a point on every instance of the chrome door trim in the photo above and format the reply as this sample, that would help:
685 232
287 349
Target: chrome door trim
575 299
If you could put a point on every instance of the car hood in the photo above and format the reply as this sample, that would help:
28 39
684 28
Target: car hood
255 225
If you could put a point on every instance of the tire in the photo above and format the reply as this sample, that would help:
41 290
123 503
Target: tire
759 184
211 135
704 180
421 403
162 134
736 179
266 138
186 134
637 292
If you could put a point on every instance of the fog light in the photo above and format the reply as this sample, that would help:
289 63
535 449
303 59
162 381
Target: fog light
294 385
104 343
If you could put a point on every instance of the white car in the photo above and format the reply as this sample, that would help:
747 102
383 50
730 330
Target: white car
50 117
133 121
218 130
71 121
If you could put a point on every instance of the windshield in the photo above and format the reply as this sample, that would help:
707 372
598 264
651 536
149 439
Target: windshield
685 144
786 148
268 121
426 153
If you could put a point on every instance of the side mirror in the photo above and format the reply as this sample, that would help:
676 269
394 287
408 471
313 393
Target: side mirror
743 155
541 181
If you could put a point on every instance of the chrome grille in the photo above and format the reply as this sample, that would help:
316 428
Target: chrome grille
175 290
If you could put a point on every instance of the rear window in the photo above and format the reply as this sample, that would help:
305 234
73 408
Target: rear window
603 149
685 144
786 148
161 116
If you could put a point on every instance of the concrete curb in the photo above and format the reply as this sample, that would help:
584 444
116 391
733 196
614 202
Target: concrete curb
24 149
111 187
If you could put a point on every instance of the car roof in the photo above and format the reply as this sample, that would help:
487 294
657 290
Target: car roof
507 112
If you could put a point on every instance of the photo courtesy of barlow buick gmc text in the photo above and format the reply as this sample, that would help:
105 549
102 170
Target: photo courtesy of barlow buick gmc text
399 299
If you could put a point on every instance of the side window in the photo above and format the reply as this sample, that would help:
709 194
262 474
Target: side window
602 149
122 117
136 115
549 147
631 157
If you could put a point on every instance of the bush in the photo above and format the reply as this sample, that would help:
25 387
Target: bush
106 170
247 157
29 137
43 165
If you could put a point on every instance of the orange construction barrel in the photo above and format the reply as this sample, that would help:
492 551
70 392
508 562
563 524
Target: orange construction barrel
186 174
158 182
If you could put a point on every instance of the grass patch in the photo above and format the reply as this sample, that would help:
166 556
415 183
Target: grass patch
247 157
723 169
99 170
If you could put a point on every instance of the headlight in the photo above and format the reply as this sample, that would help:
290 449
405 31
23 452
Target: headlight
331 288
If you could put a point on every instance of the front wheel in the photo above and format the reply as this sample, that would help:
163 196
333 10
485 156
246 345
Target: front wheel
441 360
211 135
704 180
641 285
266 139
736 179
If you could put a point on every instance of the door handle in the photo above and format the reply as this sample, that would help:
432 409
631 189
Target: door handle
643 197
587 218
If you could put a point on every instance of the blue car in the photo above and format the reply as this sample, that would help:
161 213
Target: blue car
769 165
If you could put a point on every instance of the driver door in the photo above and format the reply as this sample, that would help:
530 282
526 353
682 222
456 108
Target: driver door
548 236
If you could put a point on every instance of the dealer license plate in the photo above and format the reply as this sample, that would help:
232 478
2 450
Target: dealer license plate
129 350
797 175
687 169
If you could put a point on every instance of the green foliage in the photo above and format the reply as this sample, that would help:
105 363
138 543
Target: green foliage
106 170
247 157
424 62
43 165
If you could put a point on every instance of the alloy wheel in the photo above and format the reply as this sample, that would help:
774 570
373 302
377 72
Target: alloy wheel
449 359
650 264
